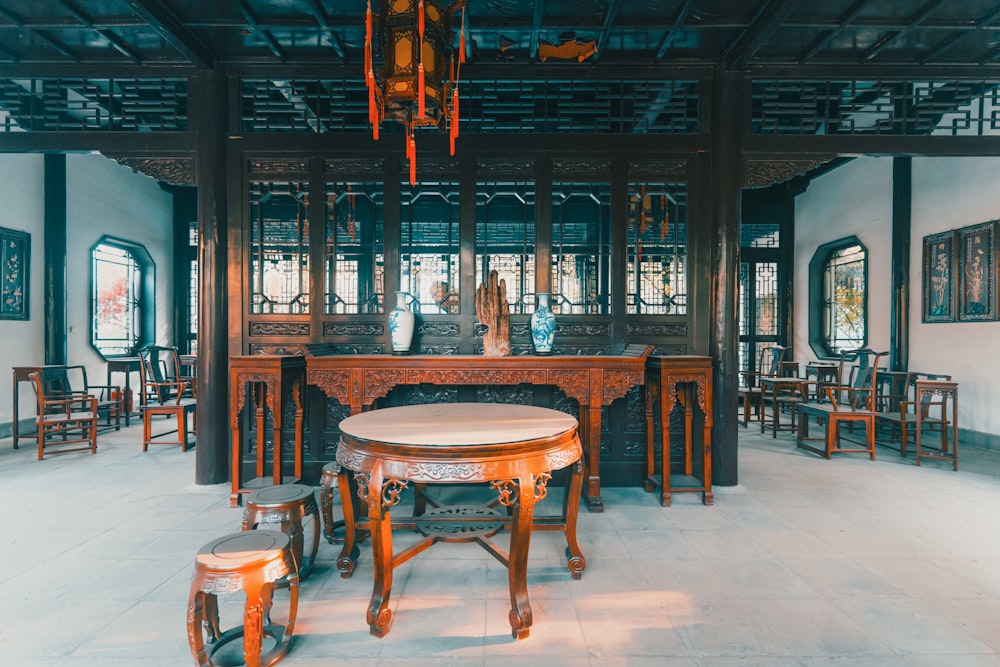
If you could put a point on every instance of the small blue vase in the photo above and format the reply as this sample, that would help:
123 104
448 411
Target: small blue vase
543 326
401 324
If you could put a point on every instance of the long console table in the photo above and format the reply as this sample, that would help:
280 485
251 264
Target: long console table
593 381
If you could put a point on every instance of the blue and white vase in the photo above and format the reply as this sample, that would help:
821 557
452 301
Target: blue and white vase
401 323
543 325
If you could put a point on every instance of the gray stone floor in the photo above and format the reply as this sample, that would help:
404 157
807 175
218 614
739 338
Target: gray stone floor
808 562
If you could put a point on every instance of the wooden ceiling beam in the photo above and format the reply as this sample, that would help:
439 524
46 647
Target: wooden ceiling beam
609 20
826 37
321 18
536 30
668 36
116 42
763 25
172 30
263 33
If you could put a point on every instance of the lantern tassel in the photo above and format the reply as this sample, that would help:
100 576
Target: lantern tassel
461 40
413 160
421 106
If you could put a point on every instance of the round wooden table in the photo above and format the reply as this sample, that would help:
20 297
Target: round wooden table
514 447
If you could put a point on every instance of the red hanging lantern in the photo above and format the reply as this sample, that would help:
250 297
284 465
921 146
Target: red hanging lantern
405 68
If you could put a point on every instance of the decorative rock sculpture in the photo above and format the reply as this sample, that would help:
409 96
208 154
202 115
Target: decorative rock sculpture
493 311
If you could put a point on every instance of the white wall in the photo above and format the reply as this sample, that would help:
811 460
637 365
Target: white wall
854 199
948 193
105 198
22 184
102 198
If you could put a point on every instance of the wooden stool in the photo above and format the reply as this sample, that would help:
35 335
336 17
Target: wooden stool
287 505
251 562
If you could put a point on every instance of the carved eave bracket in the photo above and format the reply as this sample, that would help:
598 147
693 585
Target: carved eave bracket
764 173
169 170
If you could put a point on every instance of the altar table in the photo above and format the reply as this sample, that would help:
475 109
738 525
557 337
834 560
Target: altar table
593 381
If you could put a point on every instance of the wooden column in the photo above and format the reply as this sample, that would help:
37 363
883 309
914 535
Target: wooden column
729 102
55 258
211 113
899 322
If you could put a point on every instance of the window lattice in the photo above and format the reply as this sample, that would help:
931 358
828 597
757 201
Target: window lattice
657 249
429 245
876 106
845 293
563 105
760 235
279 247
505 239
354 256
581 248
71 104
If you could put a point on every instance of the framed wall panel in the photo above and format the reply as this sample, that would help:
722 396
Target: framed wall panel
15 253
939 278
977 272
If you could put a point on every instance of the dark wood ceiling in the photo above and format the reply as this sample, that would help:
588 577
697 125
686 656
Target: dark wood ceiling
512 34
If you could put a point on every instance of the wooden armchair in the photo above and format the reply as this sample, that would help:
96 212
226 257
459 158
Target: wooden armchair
161 377
933 410
165 391
769 365
110 398
847 404
67 421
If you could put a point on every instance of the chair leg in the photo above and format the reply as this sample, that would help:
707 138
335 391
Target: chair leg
147 429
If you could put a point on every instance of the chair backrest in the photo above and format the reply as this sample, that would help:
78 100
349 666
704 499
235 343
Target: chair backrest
159 373
863 379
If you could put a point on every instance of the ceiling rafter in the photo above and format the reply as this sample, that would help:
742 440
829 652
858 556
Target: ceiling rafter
669 35
981 23
320 15
825 38
263 33
767 20
536 30
53 43
111 38
888 37
609 20
172 30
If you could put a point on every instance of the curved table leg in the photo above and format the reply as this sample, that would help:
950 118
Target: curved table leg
382 494
348 558
571 507
517 570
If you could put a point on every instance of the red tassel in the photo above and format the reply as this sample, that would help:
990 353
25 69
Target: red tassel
413 160
461 40
420 19
453 126
420 92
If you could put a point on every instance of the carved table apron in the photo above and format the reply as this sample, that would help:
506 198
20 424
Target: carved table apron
514 447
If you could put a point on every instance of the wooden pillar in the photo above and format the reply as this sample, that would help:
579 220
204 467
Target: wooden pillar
899 323
729 103
55 258
185 210
211 111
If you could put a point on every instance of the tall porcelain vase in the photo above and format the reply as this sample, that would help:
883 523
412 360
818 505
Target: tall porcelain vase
543 325
401 323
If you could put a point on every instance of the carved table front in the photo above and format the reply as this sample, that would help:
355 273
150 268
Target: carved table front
514 447
593 381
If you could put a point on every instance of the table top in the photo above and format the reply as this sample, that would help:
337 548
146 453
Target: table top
459 442
456 424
